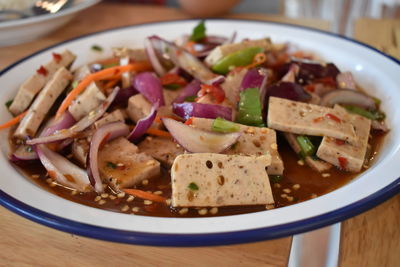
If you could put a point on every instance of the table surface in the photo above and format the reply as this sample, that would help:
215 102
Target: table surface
370 239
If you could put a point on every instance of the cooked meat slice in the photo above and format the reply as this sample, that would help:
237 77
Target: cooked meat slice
116 115
31 87
42 104
214 180
318 165
223 50
122 166
162 149
255 141
347 155
307 119
90 99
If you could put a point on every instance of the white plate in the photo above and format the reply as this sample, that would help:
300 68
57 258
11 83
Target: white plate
23 30
376 72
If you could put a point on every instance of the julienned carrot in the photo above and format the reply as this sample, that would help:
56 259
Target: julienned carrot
145 195
100 75
13 121
111 83
158 118
157 132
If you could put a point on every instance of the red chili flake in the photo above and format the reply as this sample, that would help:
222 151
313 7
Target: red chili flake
319 119
57 57
339 142
42 70
310 87
333 117
342 162
52 174
172 78
214 90
189 121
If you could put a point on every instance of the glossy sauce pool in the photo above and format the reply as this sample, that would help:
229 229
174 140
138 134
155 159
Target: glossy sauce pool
299 183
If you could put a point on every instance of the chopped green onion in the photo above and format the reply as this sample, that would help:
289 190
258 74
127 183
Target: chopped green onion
250 108
9 103
191 98
275 178
372 115
242 57
377 101
224 126
306 146
199 32
111 165
97 48
29 149
193 186
172 86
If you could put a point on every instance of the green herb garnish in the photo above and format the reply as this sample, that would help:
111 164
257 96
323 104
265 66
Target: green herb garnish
372 115
199 32
191 98
97 48
275 178
8 103
306 146
111 165
172 86
223 126
29 149
193 186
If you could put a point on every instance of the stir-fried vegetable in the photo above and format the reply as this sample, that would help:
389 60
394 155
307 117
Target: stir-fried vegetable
250 110
307 147
239 58
372 115
223 126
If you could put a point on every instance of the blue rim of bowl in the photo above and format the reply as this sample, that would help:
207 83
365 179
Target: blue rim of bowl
212 239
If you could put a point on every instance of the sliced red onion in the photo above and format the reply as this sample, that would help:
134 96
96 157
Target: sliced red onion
105 133
121 100
254 78
291 91
189 90
152 56
24 152
379 125
310 70
65 121
290 76
143 125
348 97
62 170
198 141
81 125
149 85
345 80
186 110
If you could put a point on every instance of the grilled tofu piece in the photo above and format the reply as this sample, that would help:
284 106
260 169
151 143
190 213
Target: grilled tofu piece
318 165
90 99
347 155
254 141
32 86
122 166
223 50
81 73
136 54
214 180
170 95
138 107
42 104
116 115
308 119
162 149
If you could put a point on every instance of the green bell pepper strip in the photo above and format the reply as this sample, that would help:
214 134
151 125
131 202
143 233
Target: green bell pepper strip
250 110
242 57
372 115
199 32
307 147
223 126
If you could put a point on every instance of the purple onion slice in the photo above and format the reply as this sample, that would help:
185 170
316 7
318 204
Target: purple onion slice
189 90
152 56
348 97
149 85
199 141
143 125
291 91
186 110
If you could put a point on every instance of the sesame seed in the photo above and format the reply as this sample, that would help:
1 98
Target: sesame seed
249 130
35 176
145 182
104 195
147 202
121 195
178 146
183 211
151 163
49 180
269 206
326 174
365 166
69 156
53 184
277 185
97 198
290 199
135 209
264 130
74 192
119 164
214 211
149 138
168 201
157 193
287 190
125 208
130 199
202 212
284 196
300 162
296 186
274 146
112 197
101 202
313 195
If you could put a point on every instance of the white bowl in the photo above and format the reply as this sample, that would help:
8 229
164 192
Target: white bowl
374 71
23 30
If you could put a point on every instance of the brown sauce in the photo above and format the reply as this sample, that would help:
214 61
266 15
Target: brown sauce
299 183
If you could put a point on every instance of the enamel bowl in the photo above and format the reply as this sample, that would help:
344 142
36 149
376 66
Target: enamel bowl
374 71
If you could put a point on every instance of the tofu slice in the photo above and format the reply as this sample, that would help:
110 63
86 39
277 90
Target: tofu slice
223 50
308 119
317 165
136 54
81 72
42 104
126 77
90 99
31 87
116 115
80 150
162 149
353 153
122 166
215 180
255 141
170 95
232 84
138 107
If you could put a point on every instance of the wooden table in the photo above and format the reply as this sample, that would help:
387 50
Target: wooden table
370 239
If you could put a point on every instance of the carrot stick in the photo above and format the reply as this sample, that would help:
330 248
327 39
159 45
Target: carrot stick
13 121
100 75
157 132
111 83
144 195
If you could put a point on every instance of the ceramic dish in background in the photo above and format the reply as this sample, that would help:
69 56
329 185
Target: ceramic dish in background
374 71
23 30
